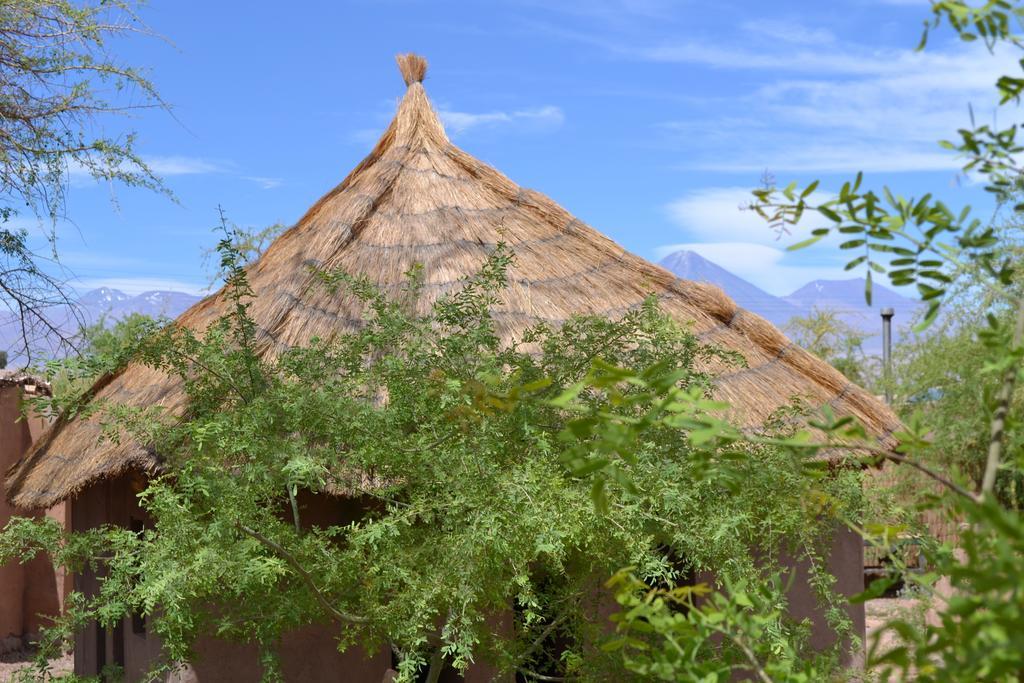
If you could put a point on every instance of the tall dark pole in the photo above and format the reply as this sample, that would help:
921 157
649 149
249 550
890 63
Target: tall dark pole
887 314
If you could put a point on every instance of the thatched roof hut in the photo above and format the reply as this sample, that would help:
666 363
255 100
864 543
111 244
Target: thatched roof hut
417 198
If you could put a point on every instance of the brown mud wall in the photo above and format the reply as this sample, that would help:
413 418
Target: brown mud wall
30 593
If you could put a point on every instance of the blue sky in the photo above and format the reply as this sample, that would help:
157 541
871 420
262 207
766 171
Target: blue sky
648 119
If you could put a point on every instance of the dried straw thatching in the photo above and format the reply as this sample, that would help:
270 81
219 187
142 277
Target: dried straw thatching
418 199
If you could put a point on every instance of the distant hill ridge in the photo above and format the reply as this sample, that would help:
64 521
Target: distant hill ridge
845 297
104 303
113 304
692 266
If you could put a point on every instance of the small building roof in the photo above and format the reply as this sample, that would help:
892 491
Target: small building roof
29 383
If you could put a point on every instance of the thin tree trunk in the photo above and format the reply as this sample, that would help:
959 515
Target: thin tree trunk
436 665
1003 400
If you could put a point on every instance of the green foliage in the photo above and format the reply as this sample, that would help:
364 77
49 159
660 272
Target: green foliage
452 447
826 335
249 244
59 79
102 348
965 378
977 633
486 474
666 633
942 376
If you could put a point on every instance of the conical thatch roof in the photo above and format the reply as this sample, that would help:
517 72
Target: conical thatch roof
418 199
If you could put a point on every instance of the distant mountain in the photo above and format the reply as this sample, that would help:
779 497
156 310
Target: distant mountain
848 295
104 296
106 304
692 266
845 297
113 304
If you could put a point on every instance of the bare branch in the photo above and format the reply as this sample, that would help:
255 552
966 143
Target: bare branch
932 474
304 575
542 677
755 665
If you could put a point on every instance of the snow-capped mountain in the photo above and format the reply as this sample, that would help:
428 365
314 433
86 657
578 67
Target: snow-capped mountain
113 304
104 303
692 266
104 296
844 297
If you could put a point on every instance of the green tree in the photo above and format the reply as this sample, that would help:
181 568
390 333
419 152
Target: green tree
825 334
542 467
109 342
248 243
496 453
59 88
101 347
941 373
921 242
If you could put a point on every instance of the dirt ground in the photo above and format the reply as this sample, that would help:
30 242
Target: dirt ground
882 610
11 662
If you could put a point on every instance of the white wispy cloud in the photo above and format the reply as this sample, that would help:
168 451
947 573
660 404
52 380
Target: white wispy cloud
854 110
719 214
264 182
823 104
182 165
162 166
546 116
78 259
715 224
789 31
972 64
834 156
606 10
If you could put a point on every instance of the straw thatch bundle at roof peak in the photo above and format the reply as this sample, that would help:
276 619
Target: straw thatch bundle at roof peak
419 199
412 67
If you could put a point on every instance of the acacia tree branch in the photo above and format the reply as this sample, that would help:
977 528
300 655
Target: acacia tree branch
755 665
541 677
532 647
540 639
927 471
1003 400
436 666
894 457
303 574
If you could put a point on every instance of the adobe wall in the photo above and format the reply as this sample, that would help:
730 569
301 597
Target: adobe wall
30 593
845 562
310 654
